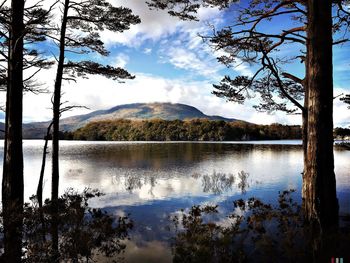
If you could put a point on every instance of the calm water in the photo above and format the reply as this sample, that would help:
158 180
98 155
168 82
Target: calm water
154 180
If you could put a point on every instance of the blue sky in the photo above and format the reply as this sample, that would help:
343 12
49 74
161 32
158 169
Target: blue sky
172 64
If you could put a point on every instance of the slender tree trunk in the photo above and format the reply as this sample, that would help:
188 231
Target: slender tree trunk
39 191
55 133
319 190
12 183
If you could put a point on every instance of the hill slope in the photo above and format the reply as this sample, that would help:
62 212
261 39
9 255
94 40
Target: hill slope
141 111
135 111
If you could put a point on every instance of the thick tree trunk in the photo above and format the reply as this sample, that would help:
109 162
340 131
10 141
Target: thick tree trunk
55 133
319 189
305 115
304 129
12 183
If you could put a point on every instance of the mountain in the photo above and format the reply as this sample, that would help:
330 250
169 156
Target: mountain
135 111
140 111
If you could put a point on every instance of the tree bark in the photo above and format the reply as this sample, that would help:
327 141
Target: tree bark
304 129
305 116
55 133
12 183
319 189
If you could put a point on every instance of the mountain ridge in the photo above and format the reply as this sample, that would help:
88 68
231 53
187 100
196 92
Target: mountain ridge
142 111
133 111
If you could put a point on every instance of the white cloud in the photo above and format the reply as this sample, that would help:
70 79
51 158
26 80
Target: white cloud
155 24
184 59
180 43
242 68
189 51
101 93
121 60
341 112
147 51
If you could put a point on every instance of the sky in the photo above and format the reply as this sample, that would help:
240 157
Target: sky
172 64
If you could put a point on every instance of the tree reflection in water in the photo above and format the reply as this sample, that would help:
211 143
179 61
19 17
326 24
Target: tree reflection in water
254 232
218 183
136 181
215 183
243 183
84 233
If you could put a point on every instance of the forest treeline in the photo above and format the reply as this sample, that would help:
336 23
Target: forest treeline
178 130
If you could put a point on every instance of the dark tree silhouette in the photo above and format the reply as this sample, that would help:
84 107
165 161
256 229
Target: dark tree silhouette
19 26
319 185
88 18
245 41
12 183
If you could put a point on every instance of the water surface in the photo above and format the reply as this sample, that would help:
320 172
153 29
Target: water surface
152 180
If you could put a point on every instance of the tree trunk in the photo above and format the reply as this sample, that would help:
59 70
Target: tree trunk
55 133
319 190
305 116
39 191
304 129
12 183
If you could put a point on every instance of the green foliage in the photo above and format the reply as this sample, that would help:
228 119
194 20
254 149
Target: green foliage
84 232
177 130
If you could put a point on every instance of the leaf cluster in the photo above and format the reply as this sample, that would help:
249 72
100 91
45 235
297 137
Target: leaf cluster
87 18
37 24
84 68
84 21
272 98
187 9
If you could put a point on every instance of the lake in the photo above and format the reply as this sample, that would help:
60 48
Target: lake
153 180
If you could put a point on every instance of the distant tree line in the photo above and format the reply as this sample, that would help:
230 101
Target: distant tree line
341 133
178 130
